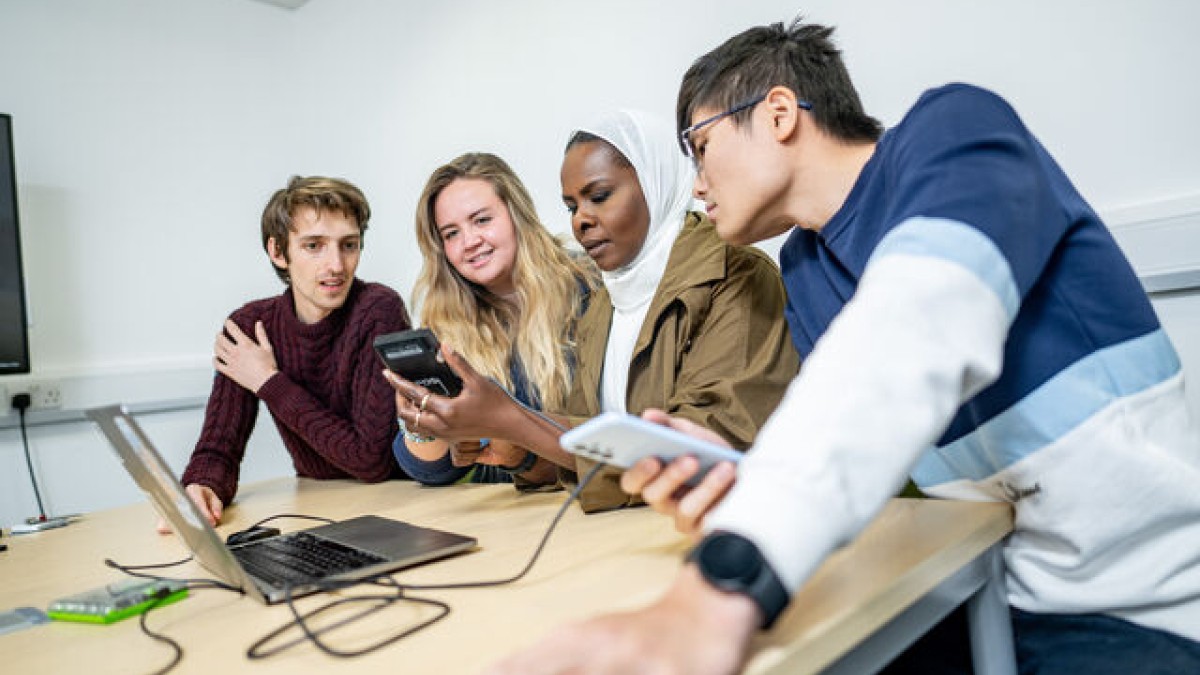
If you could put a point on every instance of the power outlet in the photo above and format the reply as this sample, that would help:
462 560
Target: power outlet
47 395
43 394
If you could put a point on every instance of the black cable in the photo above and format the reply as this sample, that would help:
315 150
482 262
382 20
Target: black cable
545 418
192 583
108 562
319 519
537 552
21 403
162 595
256 651
175 646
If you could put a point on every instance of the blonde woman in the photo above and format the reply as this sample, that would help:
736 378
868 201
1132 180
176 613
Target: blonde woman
504 293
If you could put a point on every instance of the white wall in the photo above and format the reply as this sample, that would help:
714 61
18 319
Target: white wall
150 133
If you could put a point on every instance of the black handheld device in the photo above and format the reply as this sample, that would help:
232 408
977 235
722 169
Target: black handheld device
251 534
415 356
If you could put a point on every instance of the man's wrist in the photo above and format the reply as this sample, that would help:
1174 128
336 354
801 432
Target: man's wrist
736 614
733 564
257 390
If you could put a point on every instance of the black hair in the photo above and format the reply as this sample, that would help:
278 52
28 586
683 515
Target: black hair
801 57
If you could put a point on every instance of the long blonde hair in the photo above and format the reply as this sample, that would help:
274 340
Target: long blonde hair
487 330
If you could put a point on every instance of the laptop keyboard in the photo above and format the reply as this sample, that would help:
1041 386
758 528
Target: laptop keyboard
300 558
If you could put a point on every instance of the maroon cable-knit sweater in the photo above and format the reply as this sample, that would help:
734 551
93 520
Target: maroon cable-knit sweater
335 411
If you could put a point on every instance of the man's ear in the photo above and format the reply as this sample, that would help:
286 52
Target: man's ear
276 254
784 110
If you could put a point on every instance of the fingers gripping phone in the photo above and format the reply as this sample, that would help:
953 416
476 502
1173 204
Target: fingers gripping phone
621 440
415 355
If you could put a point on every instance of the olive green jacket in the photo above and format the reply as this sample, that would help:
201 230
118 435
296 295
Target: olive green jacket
714 348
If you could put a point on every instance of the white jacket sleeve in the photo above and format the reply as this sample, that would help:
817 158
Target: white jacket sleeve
921 336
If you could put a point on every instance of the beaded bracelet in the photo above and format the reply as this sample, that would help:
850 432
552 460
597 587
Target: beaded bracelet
414 437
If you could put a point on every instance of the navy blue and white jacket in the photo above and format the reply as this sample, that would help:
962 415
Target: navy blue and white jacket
966 318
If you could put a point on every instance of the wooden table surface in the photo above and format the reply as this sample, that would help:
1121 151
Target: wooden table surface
594 563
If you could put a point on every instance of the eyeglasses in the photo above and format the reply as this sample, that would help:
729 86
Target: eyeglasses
685 136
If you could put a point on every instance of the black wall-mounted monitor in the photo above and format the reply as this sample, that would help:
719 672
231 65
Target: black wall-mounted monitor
14 336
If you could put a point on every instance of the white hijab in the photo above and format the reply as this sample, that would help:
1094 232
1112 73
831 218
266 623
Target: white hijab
666 178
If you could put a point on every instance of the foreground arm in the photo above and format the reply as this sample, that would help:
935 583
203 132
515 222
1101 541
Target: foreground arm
693 629
850 428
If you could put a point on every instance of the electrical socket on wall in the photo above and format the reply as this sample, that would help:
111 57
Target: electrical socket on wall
43 394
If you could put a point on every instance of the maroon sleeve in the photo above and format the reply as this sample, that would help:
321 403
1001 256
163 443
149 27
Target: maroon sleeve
228 421
358 444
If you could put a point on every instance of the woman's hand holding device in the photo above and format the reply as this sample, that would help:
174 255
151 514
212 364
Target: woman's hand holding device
415 356
448 400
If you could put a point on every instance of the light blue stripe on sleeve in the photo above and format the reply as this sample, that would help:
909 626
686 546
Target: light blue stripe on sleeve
1051 411
958 243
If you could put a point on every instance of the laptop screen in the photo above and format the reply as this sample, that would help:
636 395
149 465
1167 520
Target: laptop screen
152 474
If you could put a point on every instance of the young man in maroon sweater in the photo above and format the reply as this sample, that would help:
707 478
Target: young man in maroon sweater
307 354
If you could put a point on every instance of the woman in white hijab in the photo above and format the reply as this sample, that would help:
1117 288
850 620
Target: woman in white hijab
685 323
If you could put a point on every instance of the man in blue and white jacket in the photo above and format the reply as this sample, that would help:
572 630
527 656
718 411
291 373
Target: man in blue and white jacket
966 319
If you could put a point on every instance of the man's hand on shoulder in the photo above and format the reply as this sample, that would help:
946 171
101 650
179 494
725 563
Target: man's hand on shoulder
207 501
239 357
693 629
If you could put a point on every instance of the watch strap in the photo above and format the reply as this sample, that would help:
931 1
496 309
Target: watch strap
755 579
526 464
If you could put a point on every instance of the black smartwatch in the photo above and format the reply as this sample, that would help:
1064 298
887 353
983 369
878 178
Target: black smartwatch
732 563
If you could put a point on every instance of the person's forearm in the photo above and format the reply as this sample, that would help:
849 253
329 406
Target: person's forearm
544 472
726 615
864 409
228 422
527 429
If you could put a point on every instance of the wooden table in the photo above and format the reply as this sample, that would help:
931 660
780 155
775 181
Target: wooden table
868 601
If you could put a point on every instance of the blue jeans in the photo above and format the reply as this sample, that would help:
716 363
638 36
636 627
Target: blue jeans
1101 644
1057 644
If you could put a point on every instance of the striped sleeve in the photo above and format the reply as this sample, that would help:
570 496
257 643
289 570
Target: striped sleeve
924 332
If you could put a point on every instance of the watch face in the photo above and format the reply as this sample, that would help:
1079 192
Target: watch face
730 559
734 564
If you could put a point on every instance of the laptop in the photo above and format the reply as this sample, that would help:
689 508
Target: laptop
348 550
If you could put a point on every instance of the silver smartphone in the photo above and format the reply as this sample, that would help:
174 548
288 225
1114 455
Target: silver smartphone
621 440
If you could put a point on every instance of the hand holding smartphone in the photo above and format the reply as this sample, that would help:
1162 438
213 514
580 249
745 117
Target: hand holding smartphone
621 440
415 355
